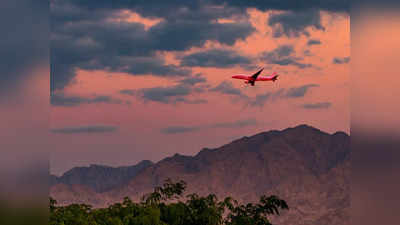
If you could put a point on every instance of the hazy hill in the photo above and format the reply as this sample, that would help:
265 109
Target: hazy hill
303 165
100 178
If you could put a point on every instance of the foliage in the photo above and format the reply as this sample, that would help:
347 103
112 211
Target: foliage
164 207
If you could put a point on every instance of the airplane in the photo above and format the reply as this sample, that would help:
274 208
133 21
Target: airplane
253 78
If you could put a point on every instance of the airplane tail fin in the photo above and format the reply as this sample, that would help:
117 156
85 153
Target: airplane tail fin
274 76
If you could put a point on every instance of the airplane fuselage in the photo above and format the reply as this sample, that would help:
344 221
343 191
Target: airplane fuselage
251 80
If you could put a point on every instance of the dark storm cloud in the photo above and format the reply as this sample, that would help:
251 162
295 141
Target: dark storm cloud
179 129
226 87
313 42
181 35
319 105
171 10
86 129
328 5
283 56
338 60
218 58
169 7
295 23
84 37
98 53
60 99
297 92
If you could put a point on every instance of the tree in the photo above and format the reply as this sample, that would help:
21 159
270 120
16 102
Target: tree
254 214
168 191
165 206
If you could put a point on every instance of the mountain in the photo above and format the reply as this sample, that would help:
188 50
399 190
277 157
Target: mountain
100 178
308 168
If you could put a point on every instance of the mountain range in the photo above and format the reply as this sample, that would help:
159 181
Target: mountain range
307 167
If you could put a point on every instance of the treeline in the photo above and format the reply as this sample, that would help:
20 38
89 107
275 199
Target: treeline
164 207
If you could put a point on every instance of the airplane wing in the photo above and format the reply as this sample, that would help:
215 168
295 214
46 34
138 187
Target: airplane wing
254 76
243 77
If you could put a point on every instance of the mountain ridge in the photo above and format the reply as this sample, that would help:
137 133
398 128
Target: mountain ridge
304 165
206 148
94 176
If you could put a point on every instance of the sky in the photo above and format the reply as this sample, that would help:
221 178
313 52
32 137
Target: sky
143 81
134 80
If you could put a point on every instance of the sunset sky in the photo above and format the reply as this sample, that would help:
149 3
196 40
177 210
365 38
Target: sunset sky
134 81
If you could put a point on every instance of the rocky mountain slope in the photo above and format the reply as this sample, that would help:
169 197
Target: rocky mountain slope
303 165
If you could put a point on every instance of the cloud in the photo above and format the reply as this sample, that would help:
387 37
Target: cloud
283 56
171 94
193 80
332 6
160 94
301 91
195 101
343 60
67 57
226 87
182 35
217 58
225 125
319 105
179 129
261 99
170 9
130 92
313 42
59 99
307 53
85 37
85 34
86 129
295 23
237 124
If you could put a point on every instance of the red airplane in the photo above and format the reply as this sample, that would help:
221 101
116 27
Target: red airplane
253 78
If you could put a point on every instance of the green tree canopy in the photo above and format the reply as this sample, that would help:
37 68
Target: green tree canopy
165 206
